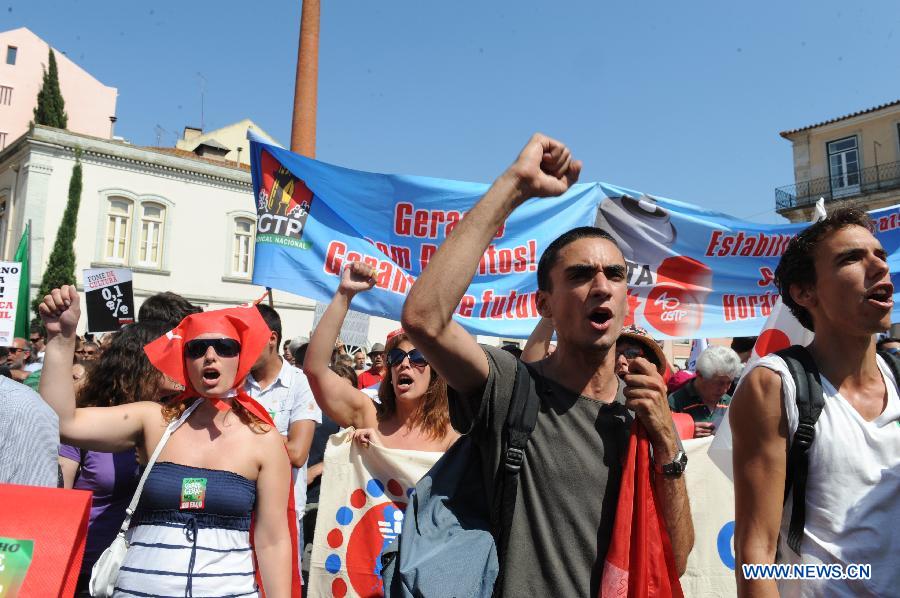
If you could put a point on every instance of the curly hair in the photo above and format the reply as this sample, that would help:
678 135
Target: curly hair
432 413
123 374
797 265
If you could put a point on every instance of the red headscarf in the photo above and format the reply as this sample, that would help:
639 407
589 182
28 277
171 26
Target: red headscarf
245 325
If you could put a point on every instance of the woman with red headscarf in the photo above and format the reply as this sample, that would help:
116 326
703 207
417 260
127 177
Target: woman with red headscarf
191 530
412 413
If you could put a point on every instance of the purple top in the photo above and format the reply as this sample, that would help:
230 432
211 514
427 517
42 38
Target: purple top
113 478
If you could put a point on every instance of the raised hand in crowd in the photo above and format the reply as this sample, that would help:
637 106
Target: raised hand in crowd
412 413
341 402
544 168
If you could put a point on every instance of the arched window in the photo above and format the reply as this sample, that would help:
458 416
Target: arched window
242 247
153 220
118 228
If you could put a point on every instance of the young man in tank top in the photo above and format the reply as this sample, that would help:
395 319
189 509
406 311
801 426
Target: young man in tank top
835 278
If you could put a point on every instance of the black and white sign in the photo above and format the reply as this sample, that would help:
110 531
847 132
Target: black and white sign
355 330
109 298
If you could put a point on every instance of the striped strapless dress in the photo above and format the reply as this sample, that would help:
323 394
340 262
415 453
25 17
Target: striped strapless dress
190 536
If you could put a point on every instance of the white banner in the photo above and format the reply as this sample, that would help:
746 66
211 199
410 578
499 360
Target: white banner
710 567
363 497
10 273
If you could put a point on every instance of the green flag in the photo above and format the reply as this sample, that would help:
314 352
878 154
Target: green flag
23 305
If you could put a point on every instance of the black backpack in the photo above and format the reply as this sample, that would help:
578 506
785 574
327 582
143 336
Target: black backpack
810 401
453 542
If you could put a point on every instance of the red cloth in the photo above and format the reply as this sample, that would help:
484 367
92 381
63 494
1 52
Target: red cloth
684 424
678 380
56 520
639 563
370 377
246 325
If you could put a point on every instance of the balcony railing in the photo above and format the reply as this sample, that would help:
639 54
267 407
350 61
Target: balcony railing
871 180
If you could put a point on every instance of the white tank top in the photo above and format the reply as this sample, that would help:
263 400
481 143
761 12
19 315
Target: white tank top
852 492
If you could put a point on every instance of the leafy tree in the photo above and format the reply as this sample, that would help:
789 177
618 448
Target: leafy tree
61 266
51 108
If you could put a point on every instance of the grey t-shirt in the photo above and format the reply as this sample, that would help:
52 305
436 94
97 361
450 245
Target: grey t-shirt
568 486
29 437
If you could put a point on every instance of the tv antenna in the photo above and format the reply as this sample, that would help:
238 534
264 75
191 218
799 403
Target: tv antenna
202 99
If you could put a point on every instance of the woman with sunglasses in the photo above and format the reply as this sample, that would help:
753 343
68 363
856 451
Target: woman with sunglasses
190 533
412 413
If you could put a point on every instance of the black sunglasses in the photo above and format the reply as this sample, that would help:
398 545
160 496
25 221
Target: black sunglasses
224 347
630 353
396 357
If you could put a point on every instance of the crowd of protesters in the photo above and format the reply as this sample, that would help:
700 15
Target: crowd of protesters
258 409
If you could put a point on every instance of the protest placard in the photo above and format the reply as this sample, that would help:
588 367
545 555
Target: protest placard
10 274
354 330
42 544
109 298
365 492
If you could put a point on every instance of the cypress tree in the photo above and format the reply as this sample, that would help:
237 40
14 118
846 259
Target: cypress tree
61 266
51 108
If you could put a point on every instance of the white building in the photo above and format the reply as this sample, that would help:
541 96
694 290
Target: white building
181 222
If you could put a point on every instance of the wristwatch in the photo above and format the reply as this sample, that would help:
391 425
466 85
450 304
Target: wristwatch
675 468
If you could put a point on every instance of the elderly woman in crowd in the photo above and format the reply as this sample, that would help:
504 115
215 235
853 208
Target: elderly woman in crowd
705 397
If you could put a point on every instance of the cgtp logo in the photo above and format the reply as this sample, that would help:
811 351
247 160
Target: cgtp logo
283 204
675 305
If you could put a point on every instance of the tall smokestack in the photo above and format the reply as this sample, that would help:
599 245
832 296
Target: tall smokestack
303 126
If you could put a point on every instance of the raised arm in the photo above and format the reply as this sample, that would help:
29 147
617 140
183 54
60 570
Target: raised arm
339 400
537 346
107 429
759 435
544 168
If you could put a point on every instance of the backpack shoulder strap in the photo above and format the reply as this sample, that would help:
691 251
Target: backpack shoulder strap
520 421
810 401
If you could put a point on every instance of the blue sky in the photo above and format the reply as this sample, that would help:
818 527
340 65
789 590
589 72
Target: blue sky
681 99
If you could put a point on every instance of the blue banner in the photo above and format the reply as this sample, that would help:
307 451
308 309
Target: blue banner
692 273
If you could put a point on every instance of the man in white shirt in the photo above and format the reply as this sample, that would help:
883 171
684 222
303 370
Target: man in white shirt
284 392
835 278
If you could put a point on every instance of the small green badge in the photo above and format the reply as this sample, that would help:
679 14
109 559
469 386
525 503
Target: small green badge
15 558
193 493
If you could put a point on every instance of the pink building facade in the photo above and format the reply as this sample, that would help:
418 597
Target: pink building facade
90 105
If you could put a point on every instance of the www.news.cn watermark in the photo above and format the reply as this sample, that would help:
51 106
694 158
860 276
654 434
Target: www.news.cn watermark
786 571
